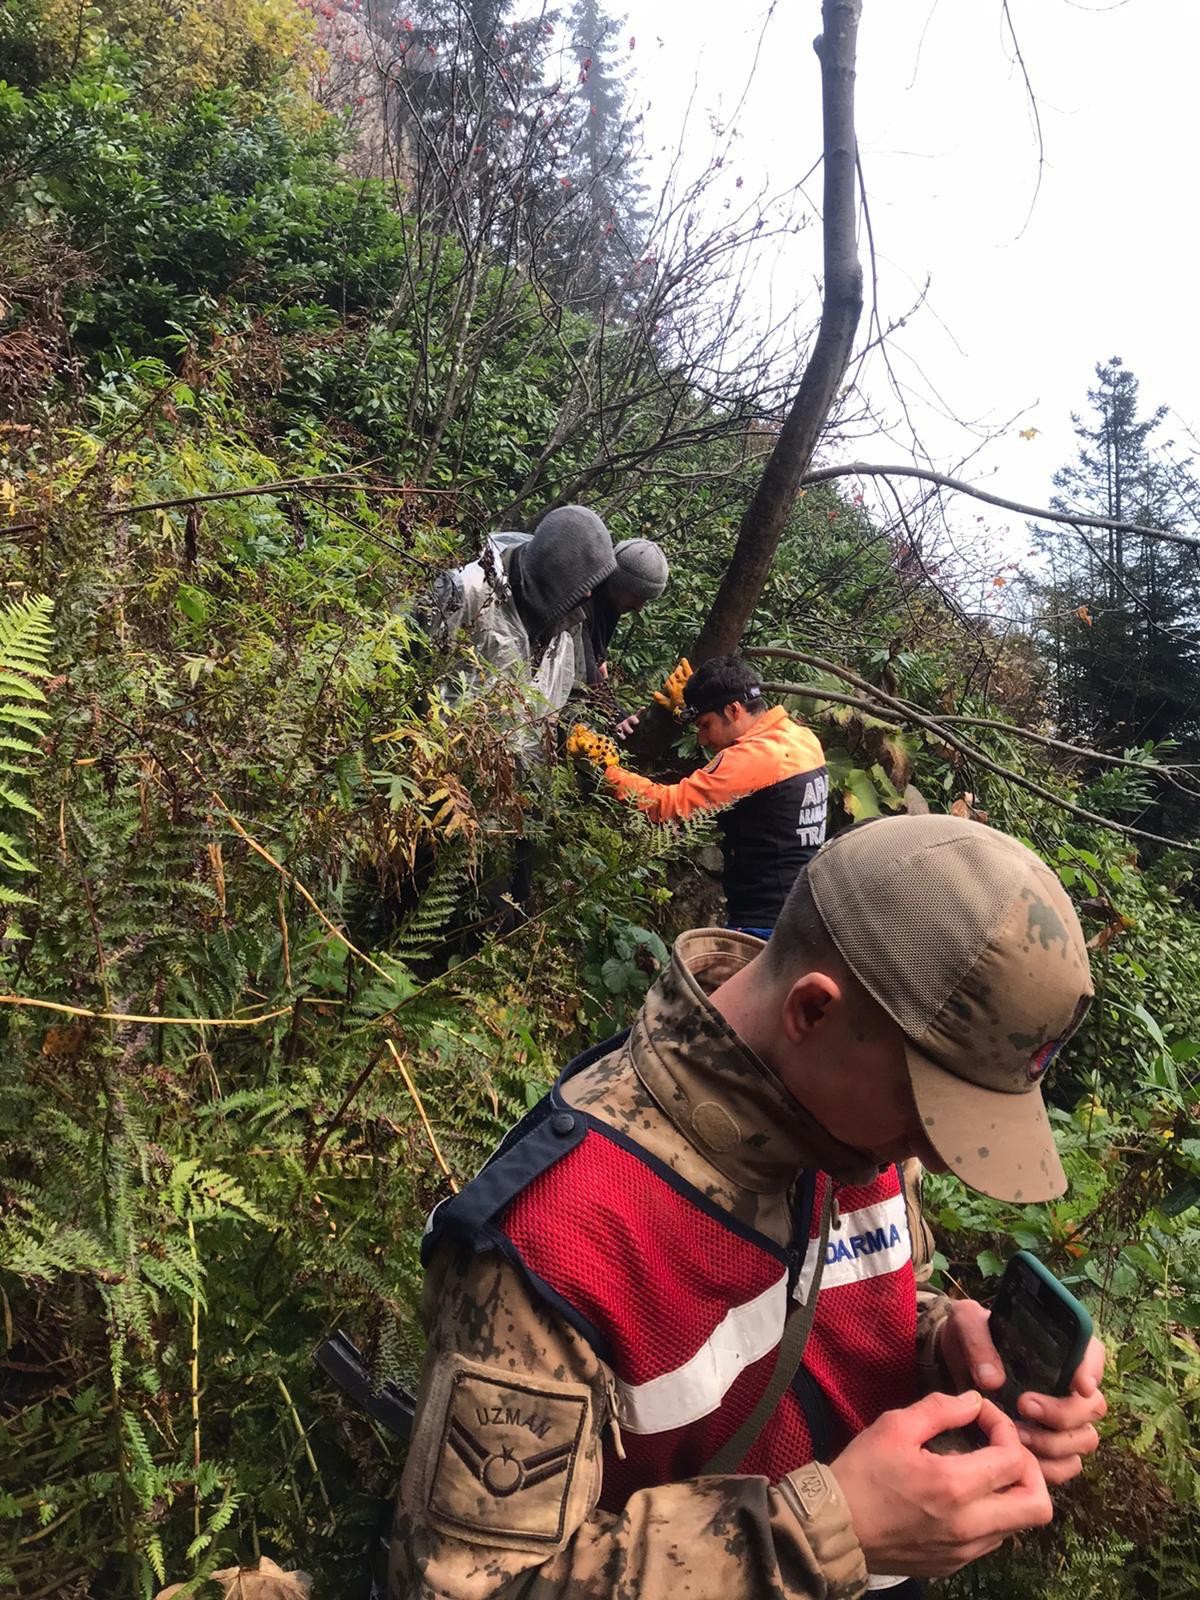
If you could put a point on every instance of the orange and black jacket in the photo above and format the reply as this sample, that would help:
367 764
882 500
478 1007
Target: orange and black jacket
771 790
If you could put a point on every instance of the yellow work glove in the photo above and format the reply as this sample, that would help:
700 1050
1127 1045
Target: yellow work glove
597 748
671 694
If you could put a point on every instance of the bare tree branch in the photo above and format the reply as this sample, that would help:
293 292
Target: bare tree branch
1034 109
351 478
1079 519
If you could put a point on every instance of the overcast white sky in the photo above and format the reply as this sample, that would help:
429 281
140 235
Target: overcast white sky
1016 319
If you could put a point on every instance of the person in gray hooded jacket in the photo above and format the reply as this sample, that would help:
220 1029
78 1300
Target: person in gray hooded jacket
641 576
516 605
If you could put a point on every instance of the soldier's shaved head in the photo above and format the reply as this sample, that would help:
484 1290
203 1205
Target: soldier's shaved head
800 937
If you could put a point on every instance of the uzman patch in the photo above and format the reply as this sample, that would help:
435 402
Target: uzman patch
508 1457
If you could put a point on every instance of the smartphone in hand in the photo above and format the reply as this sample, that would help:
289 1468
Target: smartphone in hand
1040 1331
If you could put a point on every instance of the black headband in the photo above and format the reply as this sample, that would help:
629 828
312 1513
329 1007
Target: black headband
718 699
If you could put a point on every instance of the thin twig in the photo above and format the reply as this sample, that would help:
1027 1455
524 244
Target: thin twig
195 1374
348 1101
285 941
1034 108
416 1098
129 1016
308 1455
57 1584
290 877
320 480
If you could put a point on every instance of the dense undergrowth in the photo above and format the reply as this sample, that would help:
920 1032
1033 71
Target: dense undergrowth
257 874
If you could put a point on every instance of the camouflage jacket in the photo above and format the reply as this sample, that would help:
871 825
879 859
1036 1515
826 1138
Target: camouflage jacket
694 1096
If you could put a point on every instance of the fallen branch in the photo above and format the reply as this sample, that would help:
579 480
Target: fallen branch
905 713
1083 752
812 691
129 1016
320 480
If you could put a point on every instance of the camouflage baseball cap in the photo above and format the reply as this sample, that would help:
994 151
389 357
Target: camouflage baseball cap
970 944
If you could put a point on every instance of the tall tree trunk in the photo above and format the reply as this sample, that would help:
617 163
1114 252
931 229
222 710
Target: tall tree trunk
767 514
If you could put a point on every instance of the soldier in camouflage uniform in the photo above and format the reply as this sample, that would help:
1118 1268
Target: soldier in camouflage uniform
596 1324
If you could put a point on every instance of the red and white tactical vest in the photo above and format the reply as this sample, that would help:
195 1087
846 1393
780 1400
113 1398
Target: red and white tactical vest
686 1305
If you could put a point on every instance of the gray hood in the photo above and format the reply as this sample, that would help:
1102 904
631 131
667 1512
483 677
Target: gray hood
569 555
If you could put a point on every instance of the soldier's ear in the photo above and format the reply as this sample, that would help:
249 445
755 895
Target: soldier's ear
808 1004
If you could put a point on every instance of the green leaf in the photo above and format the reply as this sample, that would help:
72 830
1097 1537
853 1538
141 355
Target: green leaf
193 602
23 747
1150 1025
989 1263
23 716
10 683
615 974
890 795
18 802
859 795
11 856
1124 1279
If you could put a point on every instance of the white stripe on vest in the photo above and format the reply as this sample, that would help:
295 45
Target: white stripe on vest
867 1244
743 1336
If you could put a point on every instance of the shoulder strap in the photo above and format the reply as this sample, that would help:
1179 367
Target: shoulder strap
544 1135
787 1363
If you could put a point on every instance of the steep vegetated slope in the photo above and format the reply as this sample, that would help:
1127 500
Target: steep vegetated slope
259 1008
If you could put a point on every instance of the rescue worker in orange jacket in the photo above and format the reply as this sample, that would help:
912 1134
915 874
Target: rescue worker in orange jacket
767 783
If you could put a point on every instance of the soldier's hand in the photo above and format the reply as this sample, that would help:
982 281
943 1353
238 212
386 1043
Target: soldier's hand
597 748
671 694
925 1515
1059 1430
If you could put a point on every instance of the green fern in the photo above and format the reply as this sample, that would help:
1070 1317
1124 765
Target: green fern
25 640
198 1191
25 636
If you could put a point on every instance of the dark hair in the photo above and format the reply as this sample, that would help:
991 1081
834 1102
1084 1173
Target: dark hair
799 934
719 682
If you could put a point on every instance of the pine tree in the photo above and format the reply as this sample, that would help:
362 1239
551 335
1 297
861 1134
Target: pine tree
604 157
1122 610
475 116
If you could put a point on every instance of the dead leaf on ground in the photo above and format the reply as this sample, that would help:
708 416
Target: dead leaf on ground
266 1582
